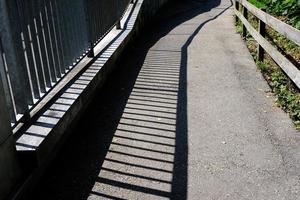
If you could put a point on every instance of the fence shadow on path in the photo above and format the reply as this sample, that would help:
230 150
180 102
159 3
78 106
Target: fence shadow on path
132 142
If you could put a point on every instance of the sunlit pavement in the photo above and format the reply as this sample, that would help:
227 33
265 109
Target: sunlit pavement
187 116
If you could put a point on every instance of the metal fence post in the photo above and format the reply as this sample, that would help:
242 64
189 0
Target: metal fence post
118 25
262 32
88 18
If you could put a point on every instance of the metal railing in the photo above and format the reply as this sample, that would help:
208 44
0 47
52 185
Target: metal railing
41 40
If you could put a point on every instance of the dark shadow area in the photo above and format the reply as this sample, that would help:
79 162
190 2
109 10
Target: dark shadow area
133 138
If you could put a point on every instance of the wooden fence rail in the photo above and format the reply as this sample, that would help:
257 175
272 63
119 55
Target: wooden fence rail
264 19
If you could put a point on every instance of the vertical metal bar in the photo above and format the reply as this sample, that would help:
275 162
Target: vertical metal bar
118 15
10 33
26 40
98 18
51 43
34 45
96 22
84 31
58 20
46 41
5 80
54 36
104 7
262 31
79 27
88 14
70 31
95 19
76 27
93 10
61 6
102 17
39 35
68 34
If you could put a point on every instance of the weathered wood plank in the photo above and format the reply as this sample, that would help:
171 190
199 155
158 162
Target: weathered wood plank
286 30
292 72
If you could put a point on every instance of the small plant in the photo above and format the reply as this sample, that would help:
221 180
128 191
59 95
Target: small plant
288 8
288 100
278 78
262 66
258 4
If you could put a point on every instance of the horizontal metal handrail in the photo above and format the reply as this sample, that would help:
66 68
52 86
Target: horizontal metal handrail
42 40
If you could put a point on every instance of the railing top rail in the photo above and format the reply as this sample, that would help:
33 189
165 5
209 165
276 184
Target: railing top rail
286 30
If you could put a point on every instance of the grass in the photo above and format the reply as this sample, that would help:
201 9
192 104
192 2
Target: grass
286 10
258 4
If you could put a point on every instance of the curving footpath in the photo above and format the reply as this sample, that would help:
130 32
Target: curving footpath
187 116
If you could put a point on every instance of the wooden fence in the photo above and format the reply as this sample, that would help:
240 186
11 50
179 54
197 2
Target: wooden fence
264 19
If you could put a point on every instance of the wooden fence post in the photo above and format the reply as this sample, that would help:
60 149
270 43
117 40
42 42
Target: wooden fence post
262 32
237 6
245 14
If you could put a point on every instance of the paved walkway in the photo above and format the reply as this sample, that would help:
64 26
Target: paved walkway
187 116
